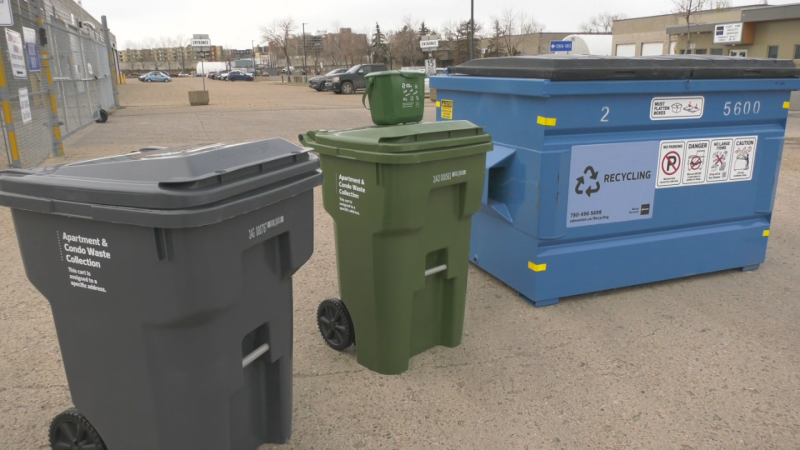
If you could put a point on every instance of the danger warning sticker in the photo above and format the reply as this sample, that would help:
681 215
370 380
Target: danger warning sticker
705 161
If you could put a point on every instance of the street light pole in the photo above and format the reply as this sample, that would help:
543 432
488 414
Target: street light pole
305 66
253 49
471 29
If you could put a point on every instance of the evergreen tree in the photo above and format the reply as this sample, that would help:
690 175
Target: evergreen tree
423 30
378 46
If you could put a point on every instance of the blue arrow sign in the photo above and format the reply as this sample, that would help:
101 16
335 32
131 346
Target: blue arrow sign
560 46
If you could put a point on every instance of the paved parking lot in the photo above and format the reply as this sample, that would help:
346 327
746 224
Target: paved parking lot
709 362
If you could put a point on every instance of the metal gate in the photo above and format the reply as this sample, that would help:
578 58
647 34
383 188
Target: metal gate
73 84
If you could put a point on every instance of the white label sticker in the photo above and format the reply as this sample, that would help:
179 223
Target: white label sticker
694 164
674 108
350 191
744 154
670 161
706 161
85 257
719 160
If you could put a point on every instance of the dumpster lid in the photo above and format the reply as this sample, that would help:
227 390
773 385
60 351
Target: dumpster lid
404 138
162 178
602 68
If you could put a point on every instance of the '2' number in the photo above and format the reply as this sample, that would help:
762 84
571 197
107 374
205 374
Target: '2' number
607 111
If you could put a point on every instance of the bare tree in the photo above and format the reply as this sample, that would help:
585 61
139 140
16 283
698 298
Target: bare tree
279 33
601 23
514 26
686 9
459 33
721 4
181 41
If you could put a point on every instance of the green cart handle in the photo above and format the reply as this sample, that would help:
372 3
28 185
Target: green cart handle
370 83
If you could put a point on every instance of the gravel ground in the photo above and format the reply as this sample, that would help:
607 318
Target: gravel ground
708 362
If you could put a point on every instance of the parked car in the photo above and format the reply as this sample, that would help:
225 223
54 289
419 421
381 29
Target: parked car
212 75
353 80
222 76
284 70
319 84
239 75
157 76
182 74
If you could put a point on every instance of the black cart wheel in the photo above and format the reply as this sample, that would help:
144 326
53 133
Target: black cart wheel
335 324
71 431
103 116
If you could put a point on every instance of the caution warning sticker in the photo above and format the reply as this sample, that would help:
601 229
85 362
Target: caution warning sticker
705 161
447 109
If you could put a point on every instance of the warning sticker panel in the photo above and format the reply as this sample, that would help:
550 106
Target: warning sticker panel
676 108
695 162
611 183
447 109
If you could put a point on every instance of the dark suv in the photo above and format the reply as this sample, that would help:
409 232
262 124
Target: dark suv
353 79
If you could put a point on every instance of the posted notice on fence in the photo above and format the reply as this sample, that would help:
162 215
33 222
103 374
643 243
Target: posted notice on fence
16 54
25 106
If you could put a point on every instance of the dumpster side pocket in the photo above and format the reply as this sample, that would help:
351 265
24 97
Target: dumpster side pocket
768 184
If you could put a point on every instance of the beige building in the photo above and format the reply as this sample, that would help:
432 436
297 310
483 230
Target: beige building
758 31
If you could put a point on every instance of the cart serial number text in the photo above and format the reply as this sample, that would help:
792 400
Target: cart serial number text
262 229
449 176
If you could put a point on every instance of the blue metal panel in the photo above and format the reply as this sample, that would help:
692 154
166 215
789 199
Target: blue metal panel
694 229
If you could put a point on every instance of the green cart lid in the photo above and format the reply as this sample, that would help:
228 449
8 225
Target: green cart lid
399 139
388 73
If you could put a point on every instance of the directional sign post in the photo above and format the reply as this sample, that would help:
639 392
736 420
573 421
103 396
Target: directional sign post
560 46
429 43
201 43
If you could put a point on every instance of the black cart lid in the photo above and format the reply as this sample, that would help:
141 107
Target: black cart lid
164 182
605 68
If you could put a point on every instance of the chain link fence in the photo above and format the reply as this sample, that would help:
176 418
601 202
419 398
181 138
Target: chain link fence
55 79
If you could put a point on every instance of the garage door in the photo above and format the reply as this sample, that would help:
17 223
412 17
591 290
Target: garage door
652 49
626 49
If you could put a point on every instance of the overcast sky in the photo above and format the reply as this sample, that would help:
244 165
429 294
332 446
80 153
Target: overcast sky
234 23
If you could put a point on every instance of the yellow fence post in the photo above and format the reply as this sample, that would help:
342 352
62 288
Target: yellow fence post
8 115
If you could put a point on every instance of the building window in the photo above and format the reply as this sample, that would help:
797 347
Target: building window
742 53
772 52
797 51
716 51
701 51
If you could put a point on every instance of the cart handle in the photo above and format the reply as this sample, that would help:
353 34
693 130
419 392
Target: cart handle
437 269
254 355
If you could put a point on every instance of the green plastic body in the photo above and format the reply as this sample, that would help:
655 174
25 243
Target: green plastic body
399 212
395 96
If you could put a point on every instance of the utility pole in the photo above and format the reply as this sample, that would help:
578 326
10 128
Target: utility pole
471 29
253 49
305 67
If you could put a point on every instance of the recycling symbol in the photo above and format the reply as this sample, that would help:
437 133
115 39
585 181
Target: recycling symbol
590 190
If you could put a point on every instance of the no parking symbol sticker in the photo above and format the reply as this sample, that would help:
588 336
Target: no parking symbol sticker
671 161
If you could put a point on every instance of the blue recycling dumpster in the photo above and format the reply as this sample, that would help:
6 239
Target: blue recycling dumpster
611 172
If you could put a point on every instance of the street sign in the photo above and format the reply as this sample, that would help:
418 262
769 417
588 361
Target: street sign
6 18
429 43
201 42
430 67
560 46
